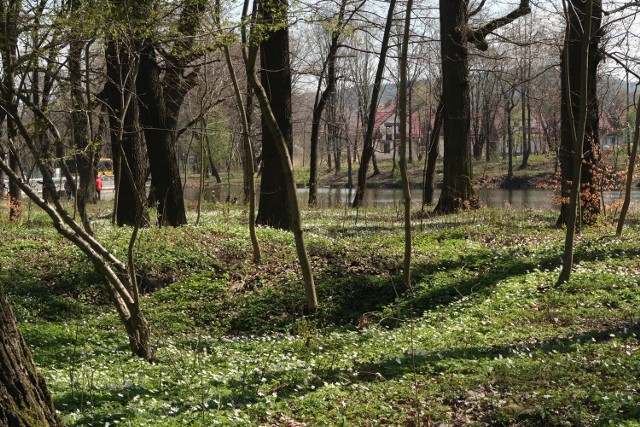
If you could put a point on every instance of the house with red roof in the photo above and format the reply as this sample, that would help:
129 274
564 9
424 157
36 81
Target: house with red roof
386 137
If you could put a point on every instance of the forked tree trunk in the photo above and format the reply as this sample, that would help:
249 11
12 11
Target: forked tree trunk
24 398
455 36
119 279
165 174
125 134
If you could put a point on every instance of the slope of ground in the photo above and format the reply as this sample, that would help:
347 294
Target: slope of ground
484 337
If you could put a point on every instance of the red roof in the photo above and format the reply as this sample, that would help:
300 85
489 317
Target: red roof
387 115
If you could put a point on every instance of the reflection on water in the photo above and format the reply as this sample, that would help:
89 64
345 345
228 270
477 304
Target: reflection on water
534 199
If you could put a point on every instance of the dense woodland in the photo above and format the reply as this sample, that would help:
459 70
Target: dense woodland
279 94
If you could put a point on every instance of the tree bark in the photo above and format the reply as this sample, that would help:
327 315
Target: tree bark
248 157
455 34
161 99
125 135
9 15
457 189
570 75
283 153
526 141
83 149
404 116
432 156
165 174
275 75
582 29
24 398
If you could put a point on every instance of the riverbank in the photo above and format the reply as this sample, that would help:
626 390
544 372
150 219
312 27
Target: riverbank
483 337
540 173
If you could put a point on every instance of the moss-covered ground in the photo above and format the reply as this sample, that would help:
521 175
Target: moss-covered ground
484 336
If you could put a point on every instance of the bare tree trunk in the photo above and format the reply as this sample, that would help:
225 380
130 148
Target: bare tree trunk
432 156
507 112
570 112
403 147
367 148
248 157
374 162
83 149
349 166
275 74
158 129
574 24
9 46
629 180
125 132
321 101
24 398
457 189
455 36
526 142
282 148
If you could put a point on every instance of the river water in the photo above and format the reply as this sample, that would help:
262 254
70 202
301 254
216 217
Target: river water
533 199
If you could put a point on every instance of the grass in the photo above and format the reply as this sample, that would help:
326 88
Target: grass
484 337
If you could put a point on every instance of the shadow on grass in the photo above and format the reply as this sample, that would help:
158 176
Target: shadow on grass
244 389
60 346
398 366
347 297
55 298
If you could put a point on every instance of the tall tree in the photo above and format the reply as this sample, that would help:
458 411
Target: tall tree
84 150
247 152
9 18
162 87
165 173
455 36
431 155
127 146
367 147
280 145
404 117
275 75
579 30
24 398
328 77
571 72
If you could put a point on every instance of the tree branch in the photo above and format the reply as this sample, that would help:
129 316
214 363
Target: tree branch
477 36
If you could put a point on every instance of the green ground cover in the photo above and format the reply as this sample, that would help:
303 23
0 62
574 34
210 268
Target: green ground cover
484 337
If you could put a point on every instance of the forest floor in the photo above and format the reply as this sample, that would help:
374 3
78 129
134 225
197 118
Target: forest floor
484 336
